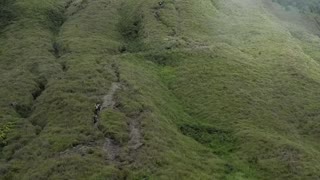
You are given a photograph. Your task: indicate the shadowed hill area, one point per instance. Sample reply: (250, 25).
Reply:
(147, 89)
(7, 12)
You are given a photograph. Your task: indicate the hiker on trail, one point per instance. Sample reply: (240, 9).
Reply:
(161, 3)
(13, 104)
(95, 119)
(97, 108)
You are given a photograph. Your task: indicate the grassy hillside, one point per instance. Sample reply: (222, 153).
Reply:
(189, 89)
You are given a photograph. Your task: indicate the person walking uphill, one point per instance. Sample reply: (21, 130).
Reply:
(96, 113)
(161, 3)
(97, 108)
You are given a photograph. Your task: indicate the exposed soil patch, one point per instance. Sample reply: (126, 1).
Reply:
(115, 152)
(136, 139)
(107, 100)
(112, 149)
(110, 146)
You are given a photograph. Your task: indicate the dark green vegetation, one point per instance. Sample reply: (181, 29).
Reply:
(7, 12)
(206, 89)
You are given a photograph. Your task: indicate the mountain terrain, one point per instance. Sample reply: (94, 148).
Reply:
(150, 89)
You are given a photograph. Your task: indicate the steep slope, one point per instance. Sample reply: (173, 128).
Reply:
(146, 89)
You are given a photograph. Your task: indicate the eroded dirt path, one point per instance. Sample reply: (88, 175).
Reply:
(135, 135)
(112, 150)
(110, 146)
(108, 101)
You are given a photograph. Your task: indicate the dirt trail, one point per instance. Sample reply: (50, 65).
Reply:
(135, 135)
(110, 147)
(108, 101)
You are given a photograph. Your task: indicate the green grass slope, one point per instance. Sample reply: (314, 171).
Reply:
(205, 89)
